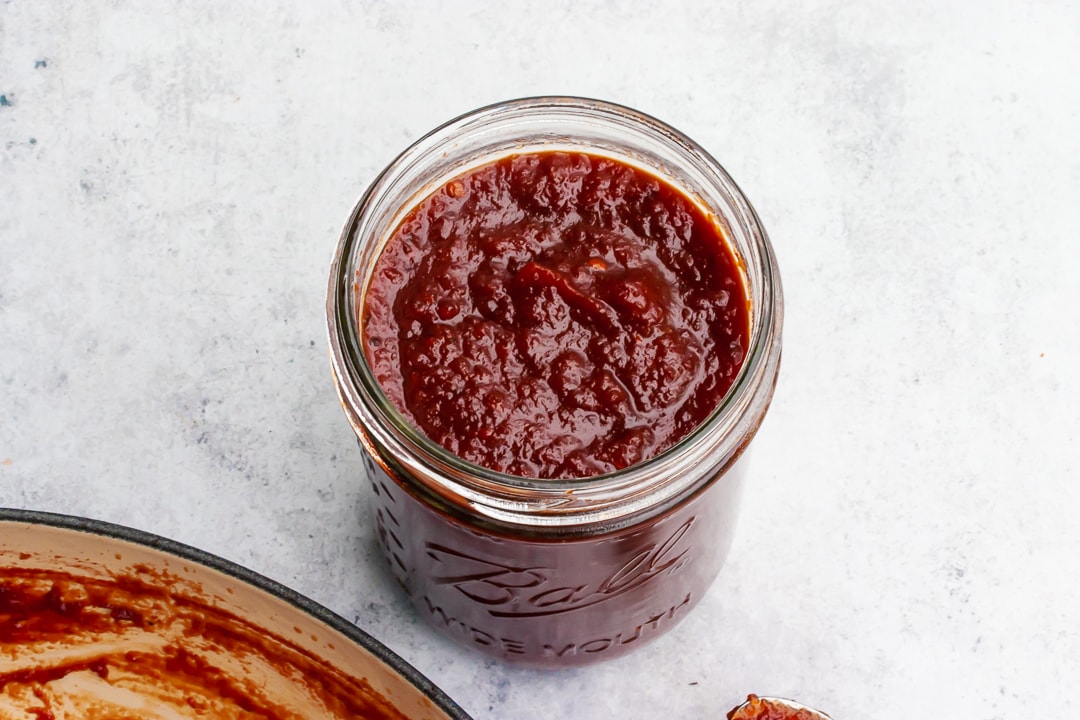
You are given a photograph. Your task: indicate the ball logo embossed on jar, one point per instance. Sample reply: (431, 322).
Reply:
(511, 591)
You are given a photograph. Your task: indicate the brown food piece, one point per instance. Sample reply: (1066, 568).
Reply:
(756, 708)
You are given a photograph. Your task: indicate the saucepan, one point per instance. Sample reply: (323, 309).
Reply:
(101, 621)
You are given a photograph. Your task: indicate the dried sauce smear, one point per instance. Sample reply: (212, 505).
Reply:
(72, 647)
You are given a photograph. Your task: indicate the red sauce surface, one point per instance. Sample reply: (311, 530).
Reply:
(756, 708)
(556, 315)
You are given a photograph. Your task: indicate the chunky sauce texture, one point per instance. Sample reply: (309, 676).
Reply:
(756, 708)
(556, 315)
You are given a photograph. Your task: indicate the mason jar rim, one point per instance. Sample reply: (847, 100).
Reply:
(504, 499)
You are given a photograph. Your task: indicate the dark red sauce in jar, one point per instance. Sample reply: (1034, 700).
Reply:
(555, 328)
(556, 315)
(552, 602)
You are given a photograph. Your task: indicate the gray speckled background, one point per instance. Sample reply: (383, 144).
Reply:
(173, 180)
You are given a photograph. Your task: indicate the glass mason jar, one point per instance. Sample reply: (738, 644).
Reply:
(553, 573)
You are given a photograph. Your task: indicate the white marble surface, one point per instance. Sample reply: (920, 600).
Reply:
(173, 180)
